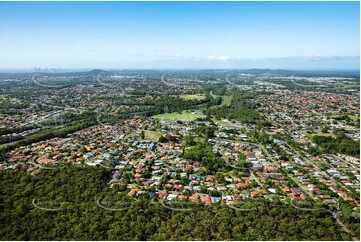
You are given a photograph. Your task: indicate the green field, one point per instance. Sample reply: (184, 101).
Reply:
(321, 134)
(6, 98)
(218, 121)
(344, 169)
(348, 86)
(199, 140)
(152, 135)
(193, 96)
(185, 116)
(352, 117)
(226, 101)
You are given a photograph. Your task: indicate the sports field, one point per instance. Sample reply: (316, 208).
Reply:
(185, 116)
(193, 96)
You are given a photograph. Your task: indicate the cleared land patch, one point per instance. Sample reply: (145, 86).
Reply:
(184, 116)
(193, 96)
(152, 135)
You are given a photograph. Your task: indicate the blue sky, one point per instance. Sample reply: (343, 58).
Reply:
(288, 35)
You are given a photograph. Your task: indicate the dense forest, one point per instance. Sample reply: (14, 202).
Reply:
(242, 108)
(74, 192)
(340, 144)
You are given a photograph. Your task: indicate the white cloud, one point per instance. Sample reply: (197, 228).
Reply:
(221, 58)
(224, 58)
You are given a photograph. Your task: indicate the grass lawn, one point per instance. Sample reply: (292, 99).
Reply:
(185, 116)
(321, 134)
(193, 96)
(199, 140)
(344, 169)
(352, 117)
(217, 121)
(348, 85)
(226, 101)
(166, 116)
(152, 135)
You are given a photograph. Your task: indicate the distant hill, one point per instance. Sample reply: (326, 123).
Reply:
(96, 71)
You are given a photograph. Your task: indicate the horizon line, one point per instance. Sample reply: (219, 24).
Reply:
(33, 69)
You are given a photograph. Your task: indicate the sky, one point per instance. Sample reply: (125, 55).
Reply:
(180, 35)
